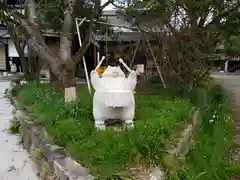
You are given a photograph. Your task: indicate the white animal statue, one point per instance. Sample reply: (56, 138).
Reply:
(113, 97)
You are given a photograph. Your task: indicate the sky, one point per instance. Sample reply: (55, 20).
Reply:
(109, 7)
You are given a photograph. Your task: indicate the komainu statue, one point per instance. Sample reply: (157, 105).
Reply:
(113, 97)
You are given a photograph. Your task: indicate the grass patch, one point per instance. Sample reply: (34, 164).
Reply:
(209, 158)
(159, 118)
(107, 154)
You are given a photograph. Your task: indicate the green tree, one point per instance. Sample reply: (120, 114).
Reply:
(188, 31)
(232, 46)
(58, 15)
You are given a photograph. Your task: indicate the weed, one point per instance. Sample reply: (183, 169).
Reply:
(14, 126)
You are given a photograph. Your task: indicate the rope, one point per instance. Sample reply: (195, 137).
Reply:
(106, 47)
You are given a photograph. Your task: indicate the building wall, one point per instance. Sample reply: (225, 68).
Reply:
(3, 55)
(12, 51)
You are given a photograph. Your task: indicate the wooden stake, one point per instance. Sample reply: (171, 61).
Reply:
(155, 61)
(135, 52)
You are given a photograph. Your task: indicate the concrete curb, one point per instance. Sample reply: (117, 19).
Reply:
(45, 153)
(183, 144)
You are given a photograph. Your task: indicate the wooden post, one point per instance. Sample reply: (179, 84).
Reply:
(95, 56)
(226, 66)
(155, 61)
(135, 52)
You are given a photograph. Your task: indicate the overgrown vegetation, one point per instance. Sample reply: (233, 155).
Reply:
(209, 158)
(111, 154)
(108, 153)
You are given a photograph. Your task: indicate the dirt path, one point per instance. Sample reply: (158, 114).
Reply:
(15, 161)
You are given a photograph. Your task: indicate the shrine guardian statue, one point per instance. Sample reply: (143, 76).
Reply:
(113, 97)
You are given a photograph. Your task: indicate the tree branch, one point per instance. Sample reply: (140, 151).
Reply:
(221, 15)
(103, 7)
(86, 43)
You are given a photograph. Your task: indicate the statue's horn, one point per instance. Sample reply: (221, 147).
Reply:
(100, 63)
(124, 64)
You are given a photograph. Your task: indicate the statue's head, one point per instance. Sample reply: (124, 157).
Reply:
(114, 72)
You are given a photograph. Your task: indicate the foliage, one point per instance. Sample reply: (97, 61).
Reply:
(233, 45)
(108, 153)
(186, 32)
(55, 8)
(30, 27)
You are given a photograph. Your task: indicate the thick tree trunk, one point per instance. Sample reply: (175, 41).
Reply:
(56, 83)
(69, 81)
(67, 86)
(33, 64)
(70, 87)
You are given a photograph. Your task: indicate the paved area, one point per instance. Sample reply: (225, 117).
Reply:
(15, 161)
(232, 83)
(12, 77)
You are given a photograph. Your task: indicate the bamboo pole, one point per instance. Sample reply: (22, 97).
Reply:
(155, 61)
(84, 61)
(109, 24)
(135, 52)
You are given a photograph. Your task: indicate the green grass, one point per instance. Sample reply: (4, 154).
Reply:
(107, 154)
(214, 140)
(158, 120)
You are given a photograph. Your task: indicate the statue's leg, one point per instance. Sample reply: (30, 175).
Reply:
(128, 115)
(100, 124)
(99, 114)
(129, 124)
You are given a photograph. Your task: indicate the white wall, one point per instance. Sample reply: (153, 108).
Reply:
(12, 52)
(109, 7)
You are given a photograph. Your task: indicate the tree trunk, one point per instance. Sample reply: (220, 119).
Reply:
(66, 38)
(56, 83)
(20, 45)
(69, 81)
(68, 85)
(33, 64)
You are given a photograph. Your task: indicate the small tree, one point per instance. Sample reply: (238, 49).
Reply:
(35, 19)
